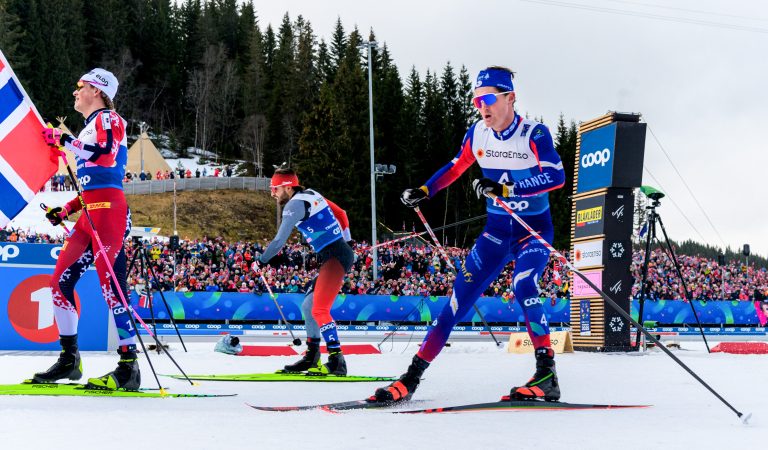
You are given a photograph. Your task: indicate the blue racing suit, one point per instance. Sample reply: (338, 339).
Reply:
(523, 158)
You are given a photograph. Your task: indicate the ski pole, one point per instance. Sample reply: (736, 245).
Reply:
(450, 264)
(744, 418)
(257, 269)
(115, 279)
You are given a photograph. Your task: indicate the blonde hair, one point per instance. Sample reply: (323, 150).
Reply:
(107, 101)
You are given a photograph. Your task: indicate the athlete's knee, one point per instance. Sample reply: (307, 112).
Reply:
(307, 306)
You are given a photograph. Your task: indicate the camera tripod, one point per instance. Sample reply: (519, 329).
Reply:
(653, 218)
(141, 261)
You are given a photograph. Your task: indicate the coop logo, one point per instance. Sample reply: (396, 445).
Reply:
(617, 250)
(598, 158)
(30, 310)
(7, 252)
(617, 324)
(84, 180)
(517, 206)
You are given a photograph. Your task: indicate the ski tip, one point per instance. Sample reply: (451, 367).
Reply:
(745, 418)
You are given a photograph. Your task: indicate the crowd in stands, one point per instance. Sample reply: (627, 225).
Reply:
(704, 278)
(213, 264)
(61, 182)
(179, 172)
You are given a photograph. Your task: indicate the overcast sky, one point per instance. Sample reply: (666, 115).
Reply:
(696, 70)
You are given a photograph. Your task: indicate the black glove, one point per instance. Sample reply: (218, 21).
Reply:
(56, 215)
(412, 197)
(487, 186)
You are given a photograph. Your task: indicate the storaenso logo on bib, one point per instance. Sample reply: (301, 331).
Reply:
(502, 154)
(599, 157)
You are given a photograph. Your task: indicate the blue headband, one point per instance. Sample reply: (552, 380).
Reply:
(500, 79)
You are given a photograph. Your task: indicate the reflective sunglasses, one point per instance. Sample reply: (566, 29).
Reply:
(79, 85)
(488, 99)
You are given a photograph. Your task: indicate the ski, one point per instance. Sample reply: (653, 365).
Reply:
(530, 405)
(286, 376)
(80, 390)
(369, 403)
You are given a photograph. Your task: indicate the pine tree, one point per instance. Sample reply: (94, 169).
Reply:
(11, 33)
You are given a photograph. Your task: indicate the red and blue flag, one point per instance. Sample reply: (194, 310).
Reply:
(26, 162)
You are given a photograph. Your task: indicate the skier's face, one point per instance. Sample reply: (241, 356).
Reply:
(500, 114)
(282, 194)
(85, 97)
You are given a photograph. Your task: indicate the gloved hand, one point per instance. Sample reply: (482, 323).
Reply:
(412, 197)
(484, 186)
(56, 215)
(52, 136)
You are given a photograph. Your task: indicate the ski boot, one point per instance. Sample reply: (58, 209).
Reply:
(125, 377)
(402, 389)
(68, 365)
(543, 384)
(336, 364)
(310, 360)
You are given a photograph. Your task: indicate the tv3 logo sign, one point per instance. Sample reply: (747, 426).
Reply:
(30, 310)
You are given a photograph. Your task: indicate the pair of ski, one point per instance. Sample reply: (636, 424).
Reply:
(501, 405)
(28, 387)
(370, 403)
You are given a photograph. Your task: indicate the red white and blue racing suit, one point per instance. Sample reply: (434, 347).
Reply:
(102, 155)
(524, 158)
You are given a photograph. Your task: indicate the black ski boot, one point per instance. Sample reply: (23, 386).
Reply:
(544, 383)
(125, 377)
(68, 365)
(310, 360)
(336, 364)
(405, 386)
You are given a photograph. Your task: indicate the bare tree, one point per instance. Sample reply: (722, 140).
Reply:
(200, 92)
(252, 141)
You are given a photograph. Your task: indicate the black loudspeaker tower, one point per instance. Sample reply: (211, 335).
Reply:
(174, 242)
(745, 250)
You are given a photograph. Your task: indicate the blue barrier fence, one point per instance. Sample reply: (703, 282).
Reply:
(225, 306)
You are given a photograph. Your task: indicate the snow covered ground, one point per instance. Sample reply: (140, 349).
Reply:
(684, 414)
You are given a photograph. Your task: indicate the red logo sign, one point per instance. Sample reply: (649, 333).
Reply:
(30, 310)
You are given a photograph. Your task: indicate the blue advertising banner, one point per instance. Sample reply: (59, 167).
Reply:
(597, 151)
(720, 312)
(206, 306)
(26, 305)
(213, 306)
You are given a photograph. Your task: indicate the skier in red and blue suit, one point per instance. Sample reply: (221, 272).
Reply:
(520, 165)
(102, 153)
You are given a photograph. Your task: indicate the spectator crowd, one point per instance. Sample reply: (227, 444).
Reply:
(405, 268)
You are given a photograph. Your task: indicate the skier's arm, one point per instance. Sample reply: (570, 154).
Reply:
(109, 135)
(294, 211)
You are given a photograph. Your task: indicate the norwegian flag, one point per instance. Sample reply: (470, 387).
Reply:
(144, 301)
(26, 162)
